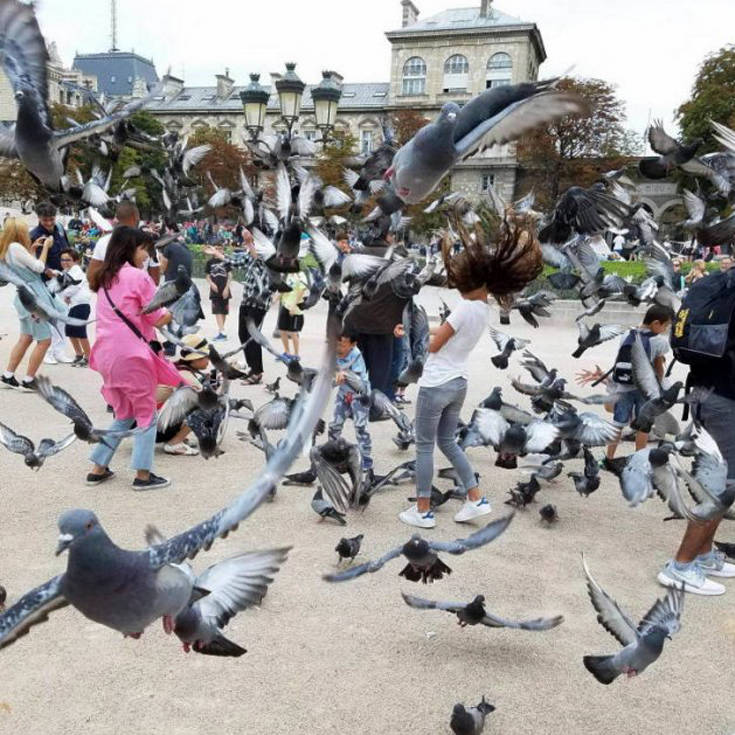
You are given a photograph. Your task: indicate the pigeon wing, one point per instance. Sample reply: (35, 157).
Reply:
(610, 331)
(182, 401)
(665, 613)
(62, 401)
(491, 425)
(283, 192)
(15, 442)
(636, 478)
(263, 245)
(609, 614)
(421, 604)
(518, 119)
(475, 540)
(238, 583)
(594, 431)
(48, 447)
(33, 608)
(501, 339)
(334, 485)
(644, 376)
(367, 567)
(305, 415)
(537, 624)
(660, 140)
(539, 434)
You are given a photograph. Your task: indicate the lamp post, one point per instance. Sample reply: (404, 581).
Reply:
(326, 96)
(255, 103)
(290, 92)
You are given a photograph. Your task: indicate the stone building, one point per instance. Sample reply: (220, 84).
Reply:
(119, 73)
(451, 56)
(65, 86)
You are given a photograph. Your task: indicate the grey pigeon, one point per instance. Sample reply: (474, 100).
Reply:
(595, 335)
(507, 346)
(588, 481)
(128, 590)
(474, 613)
(330, 461)
(548, 513)
(40, 148)
(65, 404)
(169, 291)
(33, 457)
(324, 509)
(496, 116)
(470, 720)
(642, 644)
(227, 588)
(423, 561)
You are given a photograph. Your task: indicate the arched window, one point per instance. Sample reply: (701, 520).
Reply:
(499, 70)
(456, 73)
(414, 76)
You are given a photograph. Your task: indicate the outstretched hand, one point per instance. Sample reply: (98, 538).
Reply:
(585, 377)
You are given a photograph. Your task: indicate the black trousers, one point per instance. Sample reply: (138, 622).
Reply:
(253, 351)
(377, 349)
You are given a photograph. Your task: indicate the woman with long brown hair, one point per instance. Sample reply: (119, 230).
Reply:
(479, 271)
(123, 356)
(18, 253)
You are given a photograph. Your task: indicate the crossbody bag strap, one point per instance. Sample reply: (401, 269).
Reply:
(127, 321)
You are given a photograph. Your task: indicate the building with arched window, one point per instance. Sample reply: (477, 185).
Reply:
(413, 80)
(456, 74)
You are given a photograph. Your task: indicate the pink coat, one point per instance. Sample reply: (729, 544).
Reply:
(129, 368)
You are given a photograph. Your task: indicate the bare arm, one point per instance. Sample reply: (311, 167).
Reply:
(440, 337)
(93, 268)
(165, 319)
(659, 363)
(154, 271)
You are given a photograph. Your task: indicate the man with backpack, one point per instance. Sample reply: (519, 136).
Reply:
(703, 337)
(656, 323)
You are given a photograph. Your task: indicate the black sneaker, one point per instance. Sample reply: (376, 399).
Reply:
(93, 479)
(29, 384)
(154, 482)
(10, 382)
(78, 360)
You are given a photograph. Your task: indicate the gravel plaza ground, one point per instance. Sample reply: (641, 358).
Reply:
(353, 658)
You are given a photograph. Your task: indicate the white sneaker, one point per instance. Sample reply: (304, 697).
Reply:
(181, 449)
(50, 360)
(412, 517)
(693, 579)
(473, 509)
(714, 565)
(65, 359)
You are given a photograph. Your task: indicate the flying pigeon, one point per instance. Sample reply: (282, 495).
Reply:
(32, 456)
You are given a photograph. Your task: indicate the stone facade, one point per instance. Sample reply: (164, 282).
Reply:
(472, 37)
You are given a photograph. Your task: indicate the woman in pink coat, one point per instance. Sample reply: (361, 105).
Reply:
(122, 355)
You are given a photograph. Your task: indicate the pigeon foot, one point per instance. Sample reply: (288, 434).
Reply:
(168, 624)
(134, 636)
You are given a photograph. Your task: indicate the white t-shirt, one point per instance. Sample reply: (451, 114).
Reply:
(79, 294)
(100, 250)
(469, 320)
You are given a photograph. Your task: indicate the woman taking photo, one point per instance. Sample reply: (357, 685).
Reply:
(123, 356)
(17, 252)
(478, 271)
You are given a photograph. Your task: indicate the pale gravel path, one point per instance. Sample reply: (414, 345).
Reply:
(352, 658)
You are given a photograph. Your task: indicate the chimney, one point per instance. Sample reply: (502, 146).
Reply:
(486, 9)
(171, 86)
(410, 13)
(224, 85)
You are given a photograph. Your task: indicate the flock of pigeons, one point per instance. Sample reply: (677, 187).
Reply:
(128, 590)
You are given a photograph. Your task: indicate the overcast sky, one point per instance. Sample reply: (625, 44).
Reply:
(650, 49)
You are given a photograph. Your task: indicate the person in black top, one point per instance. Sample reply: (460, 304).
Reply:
(172, 256)
(219, 275)
(49, 227)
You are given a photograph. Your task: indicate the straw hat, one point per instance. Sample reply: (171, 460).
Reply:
(193, 345)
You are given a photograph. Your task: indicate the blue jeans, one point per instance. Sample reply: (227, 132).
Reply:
(437, 414)
(144, 444)
(360, 414)
(399, 362)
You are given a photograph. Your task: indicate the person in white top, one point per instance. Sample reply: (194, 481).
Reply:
(78, 298)
(126, 214)
(477, 272)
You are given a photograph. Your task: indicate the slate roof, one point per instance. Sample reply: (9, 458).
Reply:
(364, 96)
(461, 19)
(124, 67)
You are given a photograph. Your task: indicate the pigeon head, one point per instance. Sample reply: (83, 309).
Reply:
(658, 457)
(448, 114)
(416, 548)
(479, 600)
(75, 525)
(656, 637)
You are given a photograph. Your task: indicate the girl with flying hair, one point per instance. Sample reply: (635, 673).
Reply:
(485, 267)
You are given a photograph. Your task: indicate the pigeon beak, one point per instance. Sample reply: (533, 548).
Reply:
(65, 540)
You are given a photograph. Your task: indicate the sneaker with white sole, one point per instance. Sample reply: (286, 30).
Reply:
(714, 565)
(50, 360)
(413, 517)
(473, 509)
(180, 449)
(693, 579)
(154, 482)
(63, 359)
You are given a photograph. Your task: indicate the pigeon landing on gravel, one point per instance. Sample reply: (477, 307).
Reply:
(324, 509)
(470, 720)
(424, 563)
(642, 644)
(33, 456)
(226, 588)
(349, 548)
(474, 613)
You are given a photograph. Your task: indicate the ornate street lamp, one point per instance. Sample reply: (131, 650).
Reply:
(290, 92)
(255, 103)
(326, 96)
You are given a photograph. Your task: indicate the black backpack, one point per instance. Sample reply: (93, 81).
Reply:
(701, 329)
(622, 372)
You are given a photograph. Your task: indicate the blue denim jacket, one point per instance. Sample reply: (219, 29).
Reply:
(354, 361)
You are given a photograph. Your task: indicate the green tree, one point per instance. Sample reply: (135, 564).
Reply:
(578, 148)
(712, 98)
